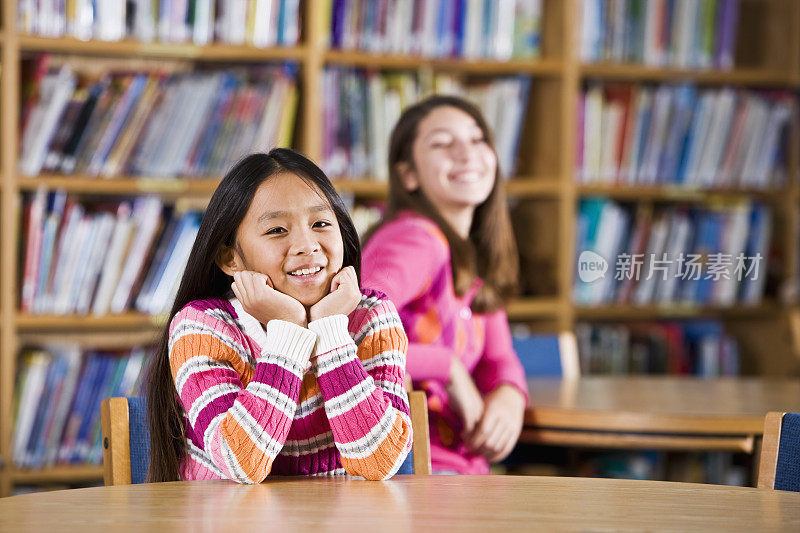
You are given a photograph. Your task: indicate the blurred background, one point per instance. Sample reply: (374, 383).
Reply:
(650, 151)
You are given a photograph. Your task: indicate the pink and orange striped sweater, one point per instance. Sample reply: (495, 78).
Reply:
(287, 400)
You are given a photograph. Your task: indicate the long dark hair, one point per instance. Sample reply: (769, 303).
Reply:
(490, 252)
(203, 279)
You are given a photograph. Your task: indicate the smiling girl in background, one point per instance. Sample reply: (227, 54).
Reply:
(445, 255)
(274, 360)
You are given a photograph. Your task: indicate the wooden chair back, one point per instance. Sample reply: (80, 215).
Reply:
(115, 423)
(421, 447)
(770, 447)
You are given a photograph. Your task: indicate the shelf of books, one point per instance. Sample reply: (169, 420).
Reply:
(651, 157)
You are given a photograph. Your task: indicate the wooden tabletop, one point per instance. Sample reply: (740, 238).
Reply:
(683, 405)
(406, 503)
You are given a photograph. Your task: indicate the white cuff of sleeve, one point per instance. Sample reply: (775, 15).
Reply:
(331, 333)
(290, 340)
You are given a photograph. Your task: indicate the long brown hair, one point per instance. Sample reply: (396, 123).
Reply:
(490, 252)
(204, 279)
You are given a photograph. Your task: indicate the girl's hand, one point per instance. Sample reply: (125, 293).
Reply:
(343, 298)
(261, 300)
(501, 424)
(464, 396)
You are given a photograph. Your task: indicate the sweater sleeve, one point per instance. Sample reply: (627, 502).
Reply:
(403, 259)
(241, 425)
(499, 363)
(429, 361)
(363, 388)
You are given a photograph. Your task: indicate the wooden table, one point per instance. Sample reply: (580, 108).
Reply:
(406, 503)
(667, 413)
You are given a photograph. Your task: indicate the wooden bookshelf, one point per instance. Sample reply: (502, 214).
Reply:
(533, 308)
(517, 187)
(679, 194)
(112, 338)
(483, 67)
(127, 320)
(638, 73)
(211, 52)
(656, 312)
(9, 101)
(78, 474)
(362, 188)
(533, 188)
(546, 179)
(121, 186)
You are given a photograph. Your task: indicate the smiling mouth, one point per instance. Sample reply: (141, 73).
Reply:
(466, 176)
(305, 272)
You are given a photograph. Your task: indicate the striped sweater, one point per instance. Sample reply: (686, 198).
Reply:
(287, 400)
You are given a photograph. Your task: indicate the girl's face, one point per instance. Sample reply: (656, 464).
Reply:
(290, 233)
(454, 165)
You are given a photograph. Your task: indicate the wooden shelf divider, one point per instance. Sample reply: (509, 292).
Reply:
(640, 73)
(120, 186)
(57, 474)
(675, 194)
(363, 188)
(657, 312)
(127, 320)
(131, 48)
(544, 67)
(533, 308)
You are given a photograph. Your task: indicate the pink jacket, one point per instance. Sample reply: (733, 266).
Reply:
(409, 260)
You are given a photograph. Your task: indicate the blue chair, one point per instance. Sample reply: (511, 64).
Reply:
(779, 468)
(418, 460)
(553, 355)
(126, 439)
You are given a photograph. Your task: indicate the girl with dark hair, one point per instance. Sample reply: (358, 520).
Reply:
(274, 360)
(445, 255)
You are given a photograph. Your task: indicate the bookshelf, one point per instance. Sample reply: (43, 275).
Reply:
(545, 183)
(57, 475)
(518, 187)
(127, 320)
(545, 68)
(668, 194)
(661, 312)
(747, 77)
(120, 186)
(128, 48)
